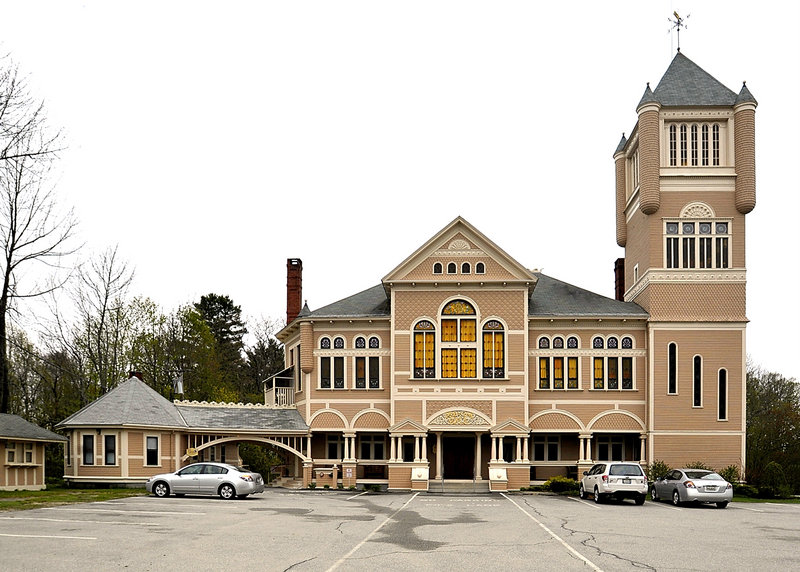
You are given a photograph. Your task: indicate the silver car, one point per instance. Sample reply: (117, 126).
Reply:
(614, 479)
(692, 485)
(220, 479)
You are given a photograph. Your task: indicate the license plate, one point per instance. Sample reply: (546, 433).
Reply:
(711, 488)
(626, 481)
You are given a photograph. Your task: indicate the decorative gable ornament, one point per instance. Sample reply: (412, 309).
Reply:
(459, 244)
(459, 417)
(697, 210)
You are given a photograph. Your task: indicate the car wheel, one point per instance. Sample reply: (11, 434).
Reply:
(597, 497)
(161, 489)
(676, 498)
(722, 504)
(227, 491)
(583, 492)
(639, 499)
(653, 493)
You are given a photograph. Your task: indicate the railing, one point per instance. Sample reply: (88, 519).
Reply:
(279, 397)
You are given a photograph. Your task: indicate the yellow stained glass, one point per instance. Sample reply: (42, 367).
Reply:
(468, 362)
(498, 349)
(598, 373)
(423, 349)
(467, 330)
(558, 373)
(544, 373)
(449, 363)
(572, 372)
(488, 349)
(449, 333)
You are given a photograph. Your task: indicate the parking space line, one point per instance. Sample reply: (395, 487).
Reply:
(358, 495)
(86, 521)
(587, 503)
(370, 535)
(745, 508)
(49, 536)
(577, 554)
(662, 505)
(124, 511)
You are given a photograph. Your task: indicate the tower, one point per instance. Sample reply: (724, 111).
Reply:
(685, 180)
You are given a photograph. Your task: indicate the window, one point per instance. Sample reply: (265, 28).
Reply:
(437, 268)
(338, 343)
(424, 347)
(672, 371)
(451, 268)
(68, 451)
(558, 371)
(722, 395)
(627, 373)
(152, 451)
(325, 372)
(325, 344)
(610, 449)
(367, 371)
(480, 268)
(334, 446)
(613, 373)
(459, 341)
(110, 449)
(694, 144)
(493, 350)
(338, 372)
(88, 449)
(465, 268)
(29, 452)
(610, 370)
(599, 373)
(11, 452)
(697, 244)
(544, 373)
(373, 447)
(697, 382)
(361, 343)
(212, 456)
(546, 448)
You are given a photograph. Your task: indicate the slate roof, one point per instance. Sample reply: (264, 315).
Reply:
(554, 298)
(370, 302)
(132, 402)
(15, 427)
(685, 84)
(241, 418)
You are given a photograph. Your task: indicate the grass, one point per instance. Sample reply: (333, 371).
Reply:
(22, 500)
(794, 500)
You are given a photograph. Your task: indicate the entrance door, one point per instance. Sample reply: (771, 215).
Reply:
(458, 457)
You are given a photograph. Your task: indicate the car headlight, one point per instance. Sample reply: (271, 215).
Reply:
(247, 478)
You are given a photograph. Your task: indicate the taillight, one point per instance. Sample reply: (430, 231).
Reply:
(247, 478)
(605, 478)
(730, 486)
(689, 485)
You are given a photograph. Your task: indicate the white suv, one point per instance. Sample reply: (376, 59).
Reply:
(617, 479)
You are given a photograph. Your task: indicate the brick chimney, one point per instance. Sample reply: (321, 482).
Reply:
(619, 279)
(294, 288)
(136, 374)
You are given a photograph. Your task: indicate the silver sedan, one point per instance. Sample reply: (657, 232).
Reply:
(220, 479)
(692, 485)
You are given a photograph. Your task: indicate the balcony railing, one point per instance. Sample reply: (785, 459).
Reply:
(279, 392)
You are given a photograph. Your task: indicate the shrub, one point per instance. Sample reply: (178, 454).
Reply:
(731, 474)
(744, 490)
(698, 465)
(773, 482)
(326, 487)
(559, 484)
(657, 469)
(312, 485)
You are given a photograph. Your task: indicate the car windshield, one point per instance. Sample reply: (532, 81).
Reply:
(703, 475)
(625, 470)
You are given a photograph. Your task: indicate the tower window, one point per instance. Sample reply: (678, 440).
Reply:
(672, 365)
(696, 244)
(697, 382)
(722, 395)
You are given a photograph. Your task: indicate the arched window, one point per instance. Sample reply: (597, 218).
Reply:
(673, 146)
(374, 343)
(672, 369)
(558, 343)
(459, 340)
(597, 343)
(451, 268)
(325, 344)
(697, 382)
(722, 395)
(572, 343)
(480, 268)
(612, 343)
(544, 343)
(338, 343)
(493, 350)
(715, 144)
(361, 343)
(627, 343)
(424, 348)
(437, 268)
(684, 154)
(465, 268)
(694, 145)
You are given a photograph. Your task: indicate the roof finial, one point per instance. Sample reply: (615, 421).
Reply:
(678, 23)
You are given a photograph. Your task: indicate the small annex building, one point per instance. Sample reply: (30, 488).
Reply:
(132, 433)
(22, 448)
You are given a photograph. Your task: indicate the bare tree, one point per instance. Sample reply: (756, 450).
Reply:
(32, 229)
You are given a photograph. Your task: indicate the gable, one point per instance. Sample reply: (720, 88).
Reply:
(461, 244)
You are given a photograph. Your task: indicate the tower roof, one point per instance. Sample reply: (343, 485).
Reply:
(685, 84)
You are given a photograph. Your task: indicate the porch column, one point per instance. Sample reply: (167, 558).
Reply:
(494, 449)
(642, 441)
(478, 471)
(424, 448)
(308, 446)
(500, 456)
(393, 448)
(346, 448)
(526, 446)
(439, 463)
(589, 448)
(519, 450)
(416, 449)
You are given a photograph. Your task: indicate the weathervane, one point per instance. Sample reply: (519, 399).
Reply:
(678, 23)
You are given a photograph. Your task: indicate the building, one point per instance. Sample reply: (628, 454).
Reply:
(22, 445)
(464, 365)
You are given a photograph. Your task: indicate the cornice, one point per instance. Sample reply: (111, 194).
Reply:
(686, 276)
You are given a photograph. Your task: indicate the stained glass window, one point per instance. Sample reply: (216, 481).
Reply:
(544, 343)
(544, 373)
(424, 348)
(612, 343)
(597, 343)
(558, 343)
(572, 342)
(325, 343)
(558, 373)
(627, 373)
(572, 373)
(360, 343)
(613, 373)
(374, 343)
(627, 343)
(599, 373)
(493, 350)
(338, 343)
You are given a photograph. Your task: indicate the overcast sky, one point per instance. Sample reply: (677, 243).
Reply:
(211, 141)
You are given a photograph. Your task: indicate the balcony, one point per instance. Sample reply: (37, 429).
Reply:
(279, 389)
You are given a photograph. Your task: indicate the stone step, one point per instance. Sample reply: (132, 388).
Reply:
(458, 487)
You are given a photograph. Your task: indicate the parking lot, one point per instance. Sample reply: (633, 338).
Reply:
(318, 530)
